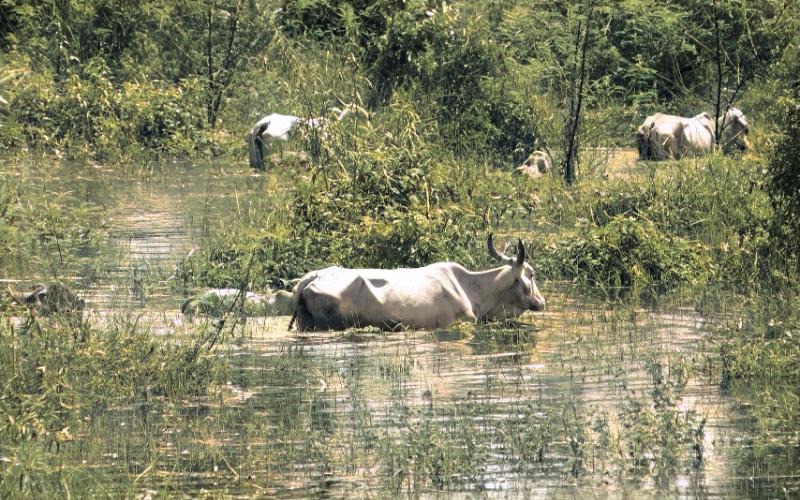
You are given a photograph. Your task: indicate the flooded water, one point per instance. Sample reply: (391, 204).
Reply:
(586, 399)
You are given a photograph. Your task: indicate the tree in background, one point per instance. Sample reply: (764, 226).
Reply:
(235, 33)
(142, 39)
(576, 73)
(740, 41)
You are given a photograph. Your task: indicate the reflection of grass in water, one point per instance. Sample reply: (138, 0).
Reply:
(494, 337)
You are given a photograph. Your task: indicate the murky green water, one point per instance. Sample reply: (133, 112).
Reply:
(586, 399)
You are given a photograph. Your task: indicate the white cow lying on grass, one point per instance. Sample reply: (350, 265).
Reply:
(538, 163)
(218, 301)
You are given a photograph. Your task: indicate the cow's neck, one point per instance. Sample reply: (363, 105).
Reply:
(481, 288)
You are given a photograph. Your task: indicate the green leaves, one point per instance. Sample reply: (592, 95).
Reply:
(631, 256)
(784, 181)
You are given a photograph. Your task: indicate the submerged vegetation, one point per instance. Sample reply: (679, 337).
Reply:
(459, 94)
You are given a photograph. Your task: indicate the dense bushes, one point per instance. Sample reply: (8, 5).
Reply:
(475, 68)
(86, 115)
(453, 58)
(462, 89)
(322, 19)
(690, 224)
(784, 181)
(630, 255)
(256, 259)
(386, 199)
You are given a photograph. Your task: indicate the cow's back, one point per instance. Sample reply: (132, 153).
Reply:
(337, 298)
(698, 135)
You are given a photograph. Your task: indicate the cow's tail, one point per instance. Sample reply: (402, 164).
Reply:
(300, 312)
(255, 147)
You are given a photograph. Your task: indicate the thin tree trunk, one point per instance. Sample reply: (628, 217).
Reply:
(230, 58)
(209, 66)
(718, 56)
(573, 123)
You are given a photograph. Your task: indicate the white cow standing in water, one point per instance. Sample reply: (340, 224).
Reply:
(434, 296)
(276, 127)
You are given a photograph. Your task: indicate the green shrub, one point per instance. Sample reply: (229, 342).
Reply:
(163, 118)
(257, 260)
(322, 19)
(717, 201)
(451, 57)
(370, 183)
(631, 256)
(784, 181)
(86, 115)
(67, 115)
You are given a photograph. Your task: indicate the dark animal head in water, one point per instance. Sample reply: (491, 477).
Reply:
(54, 298)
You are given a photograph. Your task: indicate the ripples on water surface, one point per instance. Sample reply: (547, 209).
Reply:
(586, 402)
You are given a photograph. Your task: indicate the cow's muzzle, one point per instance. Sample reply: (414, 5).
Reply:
(537, 304)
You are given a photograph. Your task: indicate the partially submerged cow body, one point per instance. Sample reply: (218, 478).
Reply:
(538, 163)
(429, 297)
(218, 301)
(663, 136)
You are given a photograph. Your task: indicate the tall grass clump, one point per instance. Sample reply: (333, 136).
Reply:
(760, 361)
(57, 377)
(45, 229)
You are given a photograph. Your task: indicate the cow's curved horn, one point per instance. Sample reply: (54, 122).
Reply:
(520, 253)
(493, 253)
